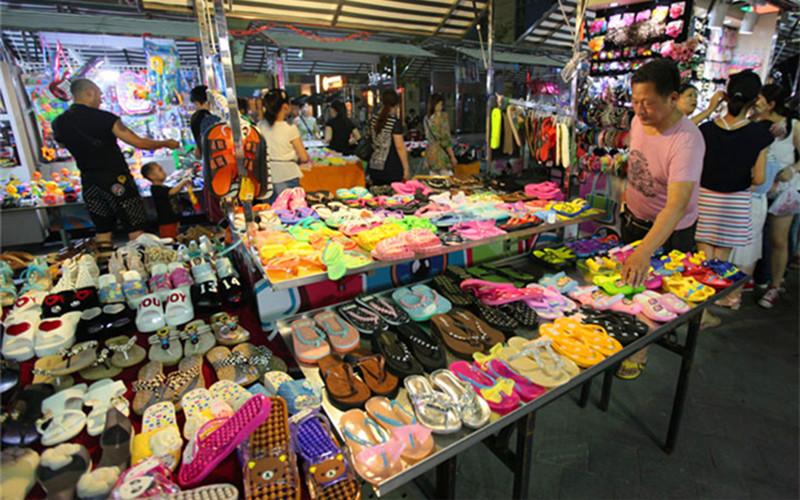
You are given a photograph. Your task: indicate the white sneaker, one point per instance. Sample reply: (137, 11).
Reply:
(769, 298)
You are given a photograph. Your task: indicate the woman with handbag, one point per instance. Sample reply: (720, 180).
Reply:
(389, 159)
(439, 157)
(771, 112)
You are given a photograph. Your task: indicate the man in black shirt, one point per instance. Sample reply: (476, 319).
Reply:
(108, 188)
(199, 98)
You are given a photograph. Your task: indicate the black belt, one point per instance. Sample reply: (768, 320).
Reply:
(635, 221)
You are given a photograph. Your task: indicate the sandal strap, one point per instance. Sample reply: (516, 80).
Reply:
(69, 352)
(381, 375)
(177, 380)
(123, 348)
(152, 384)
(349, 379)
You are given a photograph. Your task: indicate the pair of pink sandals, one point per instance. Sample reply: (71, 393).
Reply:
(495, 381)
(661, 307)
(410, 187)
(545, 191)
(496, 294)
(290, 199)
(592, 296)
(477, 229)
(552, 303)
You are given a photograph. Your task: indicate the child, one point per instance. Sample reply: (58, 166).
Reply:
(167, 218)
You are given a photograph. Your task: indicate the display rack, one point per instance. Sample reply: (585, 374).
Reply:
(495, 435)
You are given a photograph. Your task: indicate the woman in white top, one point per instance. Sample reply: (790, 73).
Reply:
(771, 111)
(307, 124)
(285, 149)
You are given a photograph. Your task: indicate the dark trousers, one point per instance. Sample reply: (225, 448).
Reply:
(634, 229)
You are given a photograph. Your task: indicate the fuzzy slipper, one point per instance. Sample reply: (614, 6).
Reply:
(61, 467)
(19, 472)
(97, 484)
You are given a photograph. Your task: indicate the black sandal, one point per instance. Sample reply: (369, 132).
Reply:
(425, 347)
(365, 320)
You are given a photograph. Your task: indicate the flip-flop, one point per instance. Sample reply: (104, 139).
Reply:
(537, 361)
(498, 393)
(63, 416)
(126, 351)
(308, 341)
(61, 467)
(435, 410)
(402, 425)
(232, 366)
(419, 306)
(75, 358)
(165, 346)
(345, 391)
(149, 387)
(342, 336)
(595, 336)
(388, 310)
(375, 373)
(472, 410)
(424, 346)
(376, 455)
(571, 346)
(523, 387)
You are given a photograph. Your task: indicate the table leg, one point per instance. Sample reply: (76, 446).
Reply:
(446, 479)
(608, 378)
(522, 469)
(681, 391)
(55, 214)
(586, 390)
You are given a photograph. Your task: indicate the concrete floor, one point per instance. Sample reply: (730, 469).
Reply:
(738, 439)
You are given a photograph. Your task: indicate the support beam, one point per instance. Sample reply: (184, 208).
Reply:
(445, 18)
(338, 12)
(537, 23)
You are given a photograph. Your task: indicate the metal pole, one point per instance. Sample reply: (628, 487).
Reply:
(201, 11)
(394, 72)
(458, 97)
(489, 83)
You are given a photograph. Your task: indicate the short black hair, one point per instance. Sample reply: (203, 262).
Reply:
(147, 169)
(686, 86)
(663, 73)
(199, 94)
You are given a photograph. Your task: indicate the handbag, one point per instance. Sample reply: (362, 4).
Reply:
(364, 148)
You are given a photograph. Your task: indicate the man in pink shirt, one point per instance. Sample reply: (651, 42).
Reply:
(664, 168)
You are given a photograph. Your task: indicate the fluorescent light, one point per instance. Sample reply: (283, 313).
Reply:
(614, 4)
(109, 75)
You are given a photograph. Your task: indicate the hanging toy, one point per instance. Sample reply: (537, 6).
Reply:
(497, 120)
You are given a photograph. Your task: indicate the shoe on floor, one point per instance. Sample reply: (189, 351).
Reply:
(709, 320)
(769, 298)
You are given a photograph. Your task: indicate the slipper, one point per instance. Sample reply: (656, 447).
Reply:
(116, 440)
(388, 311)
(537, 361)
(165, 346)
(149, 387)
(100, 482)
(498, 393)
(365, 320)
(375, 374)
(612, 284)
(376, 454)
(635, 369)
(345, 391)
(448, 289)
(572, 347)
(402, 425)
(63, 418)
(52, 335)
(220, 160)
(232, 365)
(419, 306)
(524, 388)
(687, 288)
(333, 259)
(476, 327)
(150, 314)
(308, 341)
(227, 329)
(443, 306)
(102, 396)
(595, 336)
(436, 410)
(472, 410)
(342, 336)
(19, 472)
(271, 467)
(425, 347)
(18, 336)
(42, 374)
(200, 406)
(101, 367)
(178, 309)
(454, 337)
(126, 351)
(212, 448)
(197, 338)
(187, 378)
(134, 288)
(559, 281)
(61, 467)
(231, 393)
(159, 437)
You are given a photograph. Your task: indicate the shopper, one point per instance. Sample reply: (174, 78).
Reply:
(286, 150)
(734, 164)
(389, 161)
(244, 111)
(163, 197)
(439, 157)
(306, 123)
(771, 112)
(687, 103)
(339, 129)
(109, 191)
(665, 164)
(198, 96)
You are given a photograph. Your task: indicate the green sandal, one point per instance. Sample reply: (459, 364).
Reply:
(630, 370)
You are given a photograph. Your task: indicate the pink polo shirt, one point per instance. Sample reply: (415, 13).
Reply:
(655, 161)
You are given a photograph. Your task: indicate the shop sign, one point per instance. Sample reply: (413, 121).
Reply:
(332, 82)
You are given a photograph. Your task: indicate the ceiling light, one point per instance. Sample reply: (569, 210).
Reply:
(614, 4)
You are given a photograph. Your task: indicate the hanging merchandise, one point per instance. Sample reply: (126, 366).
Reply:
(496, 125)
(163, 71)
(622, 39)
(132, 93)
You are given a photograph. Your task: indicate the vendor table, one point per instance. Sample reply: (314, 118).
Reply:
(496, 434)
(331, 178)
(53, 213)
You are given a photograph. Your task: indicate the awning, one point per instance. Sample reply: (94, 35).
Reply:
(293, 41)
(512, 57)
(448, 18)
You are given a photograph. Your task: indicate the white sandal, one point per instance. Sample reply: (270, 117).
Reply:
(102, 396)
(63, 416)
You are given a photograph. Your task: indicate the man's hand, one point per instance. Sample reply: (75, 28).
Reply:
(636, 267)
(172, 144)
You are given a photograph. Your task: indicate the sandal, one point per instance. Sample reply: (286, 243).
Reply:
(436, 410)
(473, 411)
(374, 373)
(344, 390)
(101, 368)
(227, 329)
(165, 346)
(537, 361)
(149, 387)
(424, 347)
(476, 327)
(388, 311)
(233, 365)
(457, 340)
(342, 336)
(308, 341)
(498, 393)
(402, 425)
(365, 320)
(630, 370)
(63, 414)
(397, 355)
(61, 467)
(101, 397)
(376, 453)
(159, 436)
(126, 352)
(116, 440)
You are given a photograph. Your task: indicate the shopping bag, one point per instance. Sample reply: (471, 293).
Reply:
(787, 202)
